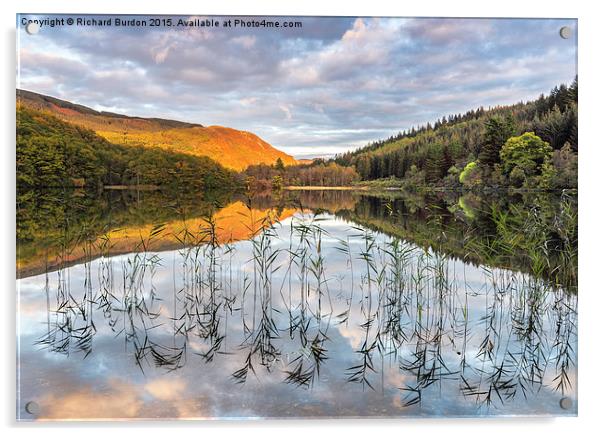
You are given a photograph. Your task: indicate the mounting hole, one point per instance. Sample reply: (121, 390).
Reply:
(566, 403)
(565, 32)
(32, 28)
(32, 408)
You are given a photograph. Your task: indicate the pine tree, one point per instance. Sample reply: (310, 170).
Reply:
(497, 132)
(279, 165)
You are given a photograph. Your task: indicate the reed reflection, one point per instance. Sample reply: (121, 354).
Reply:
(321, 301)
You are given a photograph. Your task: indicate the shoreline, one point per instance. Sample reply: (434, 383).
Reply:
(326, 188)
(131, 187)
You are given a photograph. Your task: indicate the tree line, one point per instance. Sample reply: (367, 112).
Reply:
(318, 173)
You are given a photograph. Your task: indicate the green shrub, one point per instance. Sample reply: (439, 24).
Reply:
(468, 173)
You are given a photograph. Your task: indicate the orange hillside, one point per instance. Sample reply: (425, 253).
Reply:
(232, 148)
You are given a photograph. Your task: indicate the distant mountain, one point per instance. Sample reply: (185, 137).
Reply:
(232, 148)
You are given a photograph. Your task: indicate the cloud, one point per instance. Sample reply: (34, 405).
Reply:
(166, 389)
(445, 31)
(334, 84)
(287, 111)
(245, 41)
(122, 402)
(160, 52)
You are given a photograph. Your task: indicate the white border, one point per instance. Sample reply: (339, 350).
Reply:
(590, 179)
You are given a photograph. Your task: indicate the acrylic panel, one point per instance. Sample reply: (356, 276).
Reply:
(295, 217)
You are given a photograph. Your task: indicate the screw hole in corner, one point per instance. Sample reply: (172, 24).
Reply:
(32, 408)
(565, 32)
(32, 28)
(566, 403)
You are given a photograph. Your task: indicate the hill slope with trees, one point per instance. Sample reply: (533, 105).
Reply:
(53, 153)
(233, 148)
(529, 145)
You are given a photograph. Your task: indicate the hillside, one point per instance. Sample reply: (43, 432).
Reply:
(471, 144)
(54, 153)
(234, 149)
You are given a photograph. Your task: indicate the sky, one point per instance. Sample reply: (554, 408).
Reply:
(335, 84)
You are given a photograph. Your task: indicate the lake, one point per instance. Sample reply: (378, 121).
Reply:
(297, 304)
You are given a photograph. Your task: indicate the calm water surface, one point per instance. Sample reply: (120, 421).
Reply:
(348, 307)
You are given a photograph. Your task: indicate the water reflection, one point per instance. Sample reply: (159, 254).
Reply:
(302, 313)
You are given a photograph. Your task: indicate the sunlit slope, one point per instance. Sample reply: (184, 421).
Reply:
(232, 148)
(234, 222)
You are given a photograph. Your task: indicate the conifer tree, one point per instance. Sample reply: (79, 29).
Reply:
(497, 132)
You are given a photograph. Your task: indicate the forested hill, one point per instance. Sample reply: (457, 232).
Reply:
(483, 147)
(53, 153)
(233, 148)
